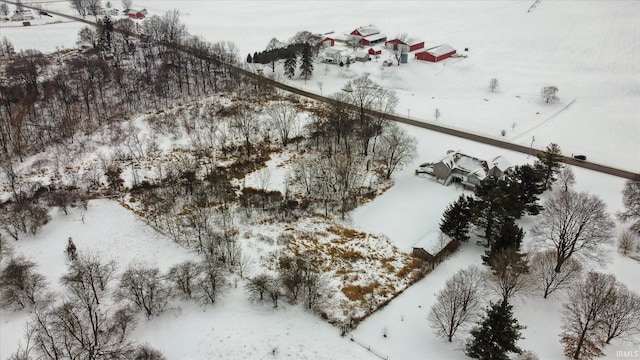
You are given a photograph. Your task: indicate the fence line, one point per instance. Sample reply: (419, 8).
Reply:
(368, 347)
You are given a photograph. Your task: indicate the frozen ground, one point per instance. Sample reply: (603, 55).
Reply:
(589, 50)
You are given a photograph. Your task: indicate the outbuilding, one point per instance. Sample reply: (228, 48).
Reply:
(361, 56)
(373, 39)
(436, 54)
(406, 45)
(327, 42)
(375, 51)
(364, 31)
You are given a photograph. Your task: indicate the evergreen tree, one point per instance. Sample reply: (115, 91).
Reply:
(496, 335)
(509, 237)
(256, 58)
(249, 60)
(306, 63)
(290, 65)
(496, 200)
(531, 185)
(549, 164)
(456, 219)
(105, 29)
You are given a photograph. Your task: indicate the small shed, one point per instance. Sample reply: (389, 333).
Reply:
(430, 245)
(375, 51)
(436, 54)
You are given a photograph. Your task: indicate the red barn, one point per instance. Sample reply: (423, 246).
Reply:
(373, 39)
(436, 54)
(404, 45)
(363, 31)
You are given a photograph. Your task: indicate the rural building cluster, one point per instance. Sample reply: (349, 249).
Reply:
(369, 42)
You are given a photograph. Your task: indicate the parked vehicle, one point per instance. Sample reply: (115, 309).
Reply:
(580, 157)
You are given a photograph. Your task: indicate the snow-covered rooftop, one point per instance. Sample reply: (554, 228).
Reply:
(367, 30)
(440, 50)
(433, 242)
(500, 163)
(375, 37)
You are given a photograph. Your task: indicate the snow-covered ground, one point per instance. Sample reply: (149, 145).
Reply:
(589, 50)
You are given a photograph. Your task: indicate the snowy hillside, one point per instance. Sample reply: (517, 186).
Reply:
(590, 50)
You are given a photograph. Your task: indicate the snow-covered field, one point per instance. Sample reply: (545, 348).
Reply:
(589, 50)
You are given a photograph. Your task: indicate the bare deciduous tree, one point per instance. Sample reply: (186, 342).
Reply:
(283, 117)
(80, 6)
(548, 94)
(245, 125)
(20, 285)
(211, 283)
(126, 4)
(620, 317)
(566, 178)
(144, 287)
(583, 316)
(400, 49)
(458, 304)
(631, 199)
(183, 277)
(396, 148)
(628, 243)
(545, 277)
(574, 224)
(493, 84)
(263, 287)
(6, 249)
(509, 275)
(69, 330)
(88, 277)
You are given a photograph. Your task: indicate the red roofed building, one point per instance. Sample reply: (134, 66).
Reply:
(436, 54)
(375, 51)
(364, 31)
(327, 42)
(404, 45)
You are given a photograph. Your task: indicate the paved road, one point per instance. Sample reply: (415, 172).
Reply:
(424, 125)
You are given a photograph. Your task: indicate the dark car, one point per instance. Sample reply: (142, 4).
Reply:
(42, 12)
(580, 157)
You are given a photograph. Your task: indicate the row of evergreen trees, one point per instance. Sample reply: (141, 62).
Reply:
(290, 56)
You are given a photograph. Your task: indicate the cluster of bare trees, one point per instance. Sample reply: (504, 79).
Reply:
(78, 325)
(48, 99)
(204, 281)
(348, 141)
(599, 310)
(297, 280)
